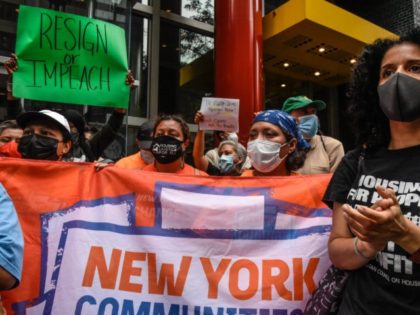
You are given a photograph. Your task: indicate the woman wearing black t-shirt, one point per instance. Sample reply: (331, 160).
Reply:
(376, 188)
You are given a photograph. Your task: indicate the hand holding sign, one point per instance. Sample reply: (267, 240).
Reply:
(198, 119)
(129, 80)
(220, 114)
(11, 64)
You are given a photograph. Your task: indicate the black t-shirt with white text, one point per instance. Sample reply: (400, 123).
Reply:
(390, 283)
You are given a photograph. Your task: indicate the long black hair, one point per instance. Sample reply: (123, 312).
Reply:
(370, 124)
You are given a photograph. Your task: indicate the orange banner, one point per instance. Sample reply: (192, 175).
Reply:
(54, 200)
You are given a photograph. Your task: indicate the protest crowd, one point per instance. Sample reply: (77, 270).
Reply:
(367, 234)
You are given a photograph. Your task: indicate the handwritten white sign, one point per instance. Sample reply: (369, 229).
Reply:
(220, 114)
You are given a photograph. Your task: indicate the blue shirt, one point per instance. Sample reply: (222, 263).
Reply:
(11, 239)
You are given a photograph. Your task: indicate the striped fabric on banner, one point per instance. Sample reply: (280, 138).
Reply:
(121, 241)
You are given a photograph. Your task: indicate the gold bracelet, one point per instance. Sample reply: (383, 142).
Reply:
(356, 249)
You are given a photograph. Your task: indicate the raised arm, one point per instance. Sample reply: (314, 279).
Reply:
(107, 134)
(200, 161)
(11, 66)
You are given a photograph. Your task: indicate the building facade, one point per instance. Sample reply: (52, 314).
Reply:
(166, 40)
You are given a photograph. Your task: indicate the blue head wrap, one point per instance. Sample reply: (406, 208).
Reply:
(286, 123)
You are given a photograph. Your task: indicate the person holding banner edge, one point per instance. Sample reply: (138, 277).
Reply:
(14, 108)
(46, 135)
(275, 145)
(376, 216)
(171, 137)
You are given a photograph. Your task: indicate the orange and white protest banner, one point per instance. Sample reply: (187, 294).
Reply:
(122, 241)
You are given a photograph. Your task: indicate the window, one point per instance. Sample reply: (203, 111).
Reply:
(185, 72)
(185, 63)
(199, 10)
(139, 65)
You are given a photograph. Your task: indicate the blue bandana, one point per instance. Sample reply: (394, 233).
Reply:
(286, 123)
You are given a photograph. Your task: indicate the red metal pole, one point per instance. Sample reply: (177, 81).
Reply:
(238, 57)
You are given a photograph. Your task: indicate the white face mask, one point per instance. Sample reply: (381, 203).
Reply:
(265, 155)
(147, 156)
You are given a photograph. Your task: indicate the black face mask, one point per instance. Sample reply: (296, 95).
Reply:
(399, 98)
(38, 147)
(166, 149)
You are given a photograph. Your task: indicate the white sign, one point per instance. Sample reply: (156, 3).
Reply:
(220, 114)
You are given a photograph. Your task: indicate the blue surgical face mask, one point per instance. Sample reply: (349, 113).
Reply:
(226, 163)
(308, 125)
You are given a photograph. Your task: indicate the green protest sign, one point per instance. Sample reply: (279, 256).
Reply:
(70, 58)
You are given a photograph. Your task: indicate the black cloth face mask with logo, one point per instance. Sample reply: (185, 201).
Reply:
(38, 147)
(399, 98)
(166, 149)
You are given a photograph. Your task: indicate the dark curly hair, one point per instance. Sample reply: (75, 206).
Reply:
(370, 124)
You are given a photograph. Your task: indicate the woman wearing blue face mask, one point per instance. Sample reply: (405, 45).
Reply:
(231, 155)
(275, 145)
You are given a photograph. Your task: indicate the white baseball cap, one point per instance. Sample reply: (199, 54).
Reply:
(59, 120)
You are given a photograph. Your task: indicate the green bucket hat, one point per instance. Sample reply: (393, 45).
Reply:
(296, 102)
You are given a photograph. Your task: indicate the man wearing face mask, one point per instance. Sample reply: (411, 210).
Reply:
(46, 135)
(326, 152)
(143, 157)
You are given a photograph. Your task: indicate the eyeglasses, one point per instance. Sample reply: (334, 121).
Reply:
(9, 139)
